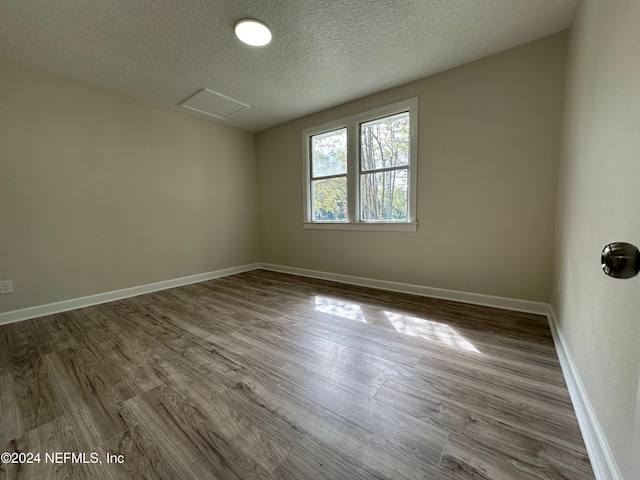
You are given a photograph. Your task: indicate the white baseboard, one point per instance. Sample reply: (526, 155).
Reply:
(66, 305)
(602, 461)
(527, 306)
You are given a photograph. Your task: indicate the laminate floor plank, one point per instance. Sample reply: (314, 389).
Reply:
(261, 300)
(315, 348)
(7, 400)
(51, 334)
(119, 355)
(235, 298)
(346, 440)
(442, 381)
(29, 398)
(539, 369)
(86, 387)
(557, 426)
(56, 436)
(465, 337)
(246, 426)
(300, 367)
(342, 325)
(545, 391)
(170, 361)
(404, 430)
(526, 459)
(196, 355)
(348, 337)
(143, 458)
(189, 435)
(188, 312)
(294, 340)
(310, 461)
(523, 447)
(264, 375)
(86, 326)
(169, 325)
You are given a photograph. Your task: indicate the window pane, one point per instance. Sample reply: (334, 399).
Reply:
(329, 153)
(384, 196)
(329, 199)
(385, 142)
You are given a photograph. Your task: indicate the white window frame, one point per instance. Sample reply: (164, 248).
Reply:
(352, 124)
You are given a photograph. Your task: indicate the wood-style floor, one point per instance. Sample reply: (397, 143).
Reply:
(271, 376)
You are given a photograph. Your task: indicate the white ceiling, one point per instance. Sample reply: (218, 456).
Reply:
(323, 53)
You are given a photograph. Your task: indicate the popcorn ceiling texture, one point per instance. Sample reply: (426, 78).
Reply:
(323, 53)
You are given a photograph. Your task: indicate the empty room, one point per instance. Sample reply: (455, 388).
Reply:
(320, 240)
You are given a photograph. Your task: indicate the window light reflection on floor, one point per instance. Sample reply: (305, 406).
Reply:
(429, 330)
(337, 307)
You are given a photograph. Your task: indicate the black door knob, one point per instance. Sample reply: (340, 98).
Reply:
(621, 260)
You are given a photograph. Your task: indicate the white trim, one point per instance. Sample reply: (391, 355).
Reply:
(527, 306)
(602, 460)
(366, 226)
(65, 305)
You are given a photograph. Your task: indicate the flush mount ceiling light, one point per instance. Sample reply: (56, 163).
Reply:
(253, 32)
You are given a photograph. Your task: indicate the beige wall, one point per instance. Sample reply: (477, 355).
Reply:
(598, 203)
(487, 163)
(101, 192)
(634, 462)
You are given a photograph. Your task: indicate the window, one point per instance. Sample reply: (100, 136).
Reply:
(360, 172)
(329, 176)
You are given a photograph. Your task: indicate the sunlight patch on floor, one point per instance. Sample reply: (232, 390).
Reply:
(429, 330)
(342, 309)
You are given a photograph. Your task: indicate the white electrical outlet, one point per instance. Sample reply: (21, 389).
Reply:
(6, 286)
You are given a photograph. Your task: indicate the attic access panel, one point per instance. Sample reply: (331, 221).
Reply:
(214, 104)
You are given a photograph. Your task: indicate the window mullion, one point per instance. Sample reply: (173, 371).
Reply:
(353, 192)
(329, 177)
(386, 169)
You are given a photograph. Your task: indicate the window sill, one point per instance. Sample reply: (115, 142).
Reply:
(365, 226)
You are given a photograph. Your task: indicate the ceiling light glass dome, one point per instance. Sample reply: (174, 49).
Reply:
(253, 32)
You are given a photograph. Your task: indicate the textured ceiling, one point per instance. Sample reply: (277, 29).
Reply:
(323, 52)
